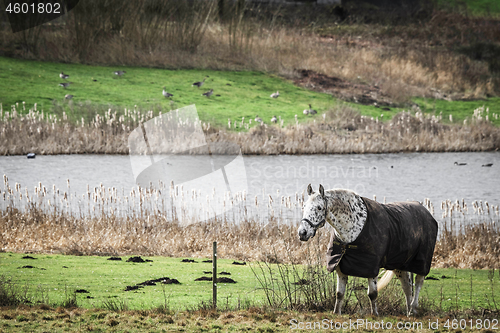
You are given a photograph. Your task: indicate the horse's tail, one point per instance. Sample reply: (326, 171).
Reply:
(384, 280)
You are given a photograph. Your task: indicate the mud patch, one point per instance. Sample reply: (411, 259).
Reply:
(225, 273)
(164, 280)
(188, 260)
(239, 263)
(116, 258)
(203, 278)
(342, 89)
(208, 260)
(138, 259)
(130, 288)
(82, 291)
(27, 266)
(219, 280)
(28, 257)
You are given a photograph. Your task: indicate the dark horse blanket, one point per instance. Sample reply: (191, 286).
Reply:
(398, 235)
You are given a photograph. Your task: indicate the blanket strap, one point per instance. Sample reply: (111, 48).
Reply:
(345, 246)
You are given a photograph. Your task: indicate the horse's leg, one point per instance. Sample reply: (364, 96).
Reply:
(372, 294)
(406, 283)
(419, 282)
(341, 285)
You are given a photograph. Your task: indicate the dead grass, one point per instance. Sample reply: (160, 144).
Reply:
(153, 222)
(340, 131)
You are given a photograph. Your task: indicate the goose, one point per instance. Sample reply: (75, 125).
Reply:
(306, 112)
(208, 93)
(200, 83)
(166, 94)
(258, 119)
(65, 84)
(274, 119)
(275, 95)
(120, 73)
(311, 111)
(487, 165)
(456, 163)
(68, 96)
(63, 76)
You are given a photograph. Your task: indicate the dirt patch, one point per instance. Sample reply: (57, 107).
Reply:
(138, 259)
(27, 266)
(239, 263)
(115, 258)
(82, 291)
(164, 280)
(28, 257)
(342, 89)
(188, 260)
(225, 273)
(130, 288)
(208, 260)
(219, 280)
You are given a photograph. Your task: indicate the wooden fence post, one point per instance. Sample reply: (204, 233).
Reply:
(214, 275)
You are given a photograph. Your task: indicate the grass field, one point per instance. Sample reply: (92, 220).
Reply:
(55, 278)
(241, 94)
(236, 94)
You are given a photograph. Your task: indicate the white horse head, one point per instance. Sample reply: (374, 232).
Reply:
(315, 212)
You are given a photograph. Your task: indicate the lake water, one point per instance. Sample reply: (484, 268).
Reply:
(391, 177)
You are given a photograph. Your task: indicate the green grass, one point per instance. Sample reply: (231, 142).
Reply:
(242, 94)
(474, 7)
(58, 276)
(106, 280)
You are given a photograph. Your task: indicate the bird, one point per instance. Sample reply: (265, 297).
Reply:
(487, 165)
(31, 155)
(306, 112)
(166, 94)
(456, 163)
(274, 119)
(65, 84)
(68, 96)
(63, 76)
(120, 73)
(311, 111)
(258, 119)
(275, 95)
(200, 83)
(208, 93)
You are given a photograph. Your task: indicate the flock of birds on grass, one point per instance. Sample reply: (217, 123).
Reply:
(198, 84)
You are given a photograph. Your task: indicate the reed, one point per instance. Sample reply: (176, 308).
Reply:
(162, 221)
(342, 130)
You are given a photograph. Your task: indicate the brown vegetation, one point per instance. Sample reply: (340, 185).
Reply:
(444, 55)
(153, 222)
(340, 131)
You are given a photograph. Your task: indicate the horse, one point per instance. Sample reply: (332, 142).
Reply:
(367, 236)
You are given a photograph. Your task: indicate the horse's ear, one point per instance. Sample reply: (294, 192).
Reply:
(309, 189)
(321, 190)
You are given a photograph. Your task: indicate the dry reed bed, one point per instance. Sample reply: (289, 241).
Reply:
(339, 131)
(414, 60)
(111, 224)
